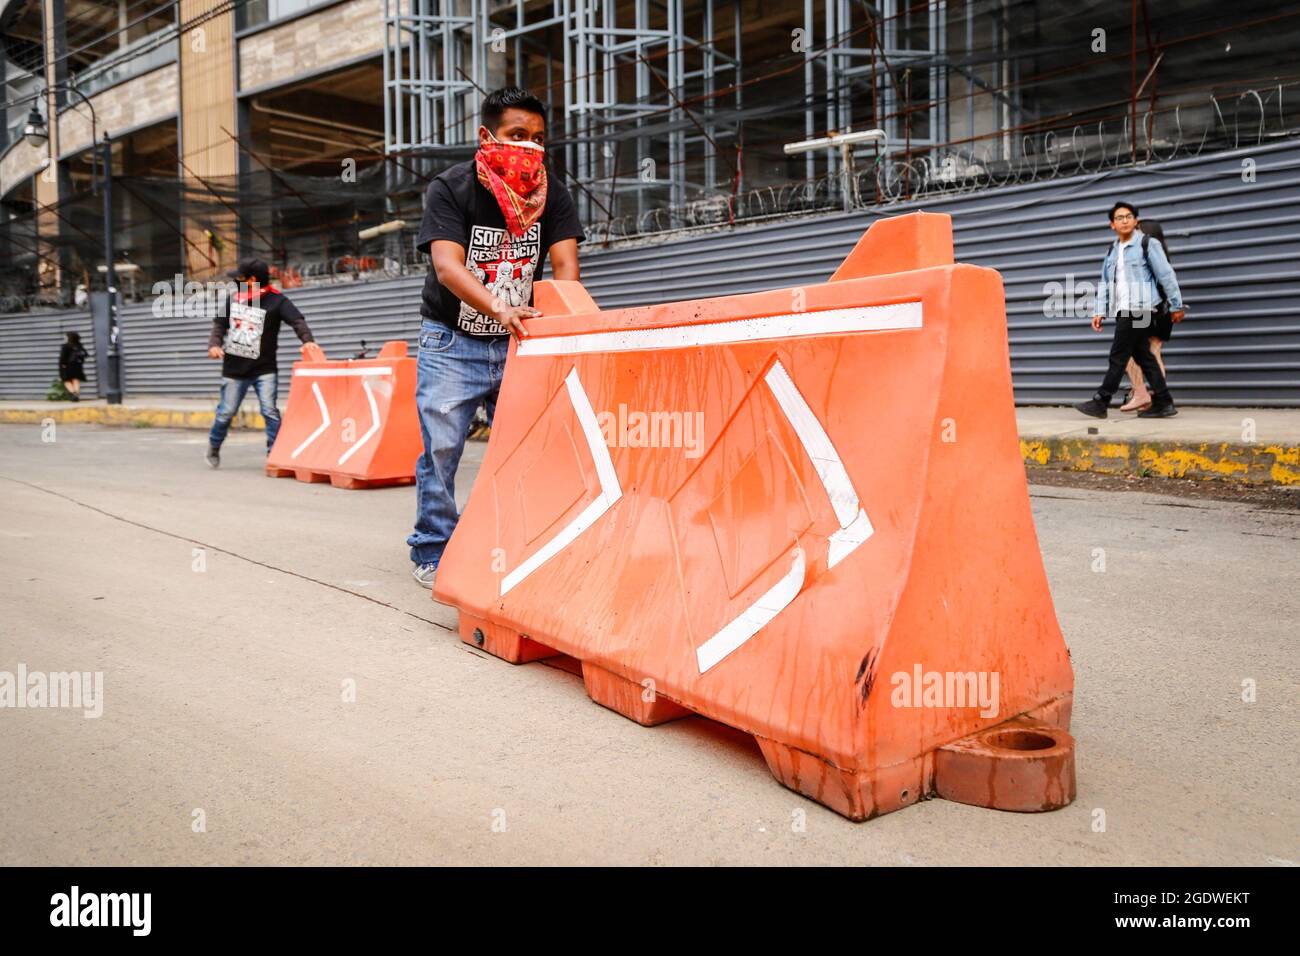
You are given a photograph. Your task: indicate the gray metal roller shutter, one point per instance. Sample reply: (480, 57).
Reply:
(29, 352)
(1235, 245)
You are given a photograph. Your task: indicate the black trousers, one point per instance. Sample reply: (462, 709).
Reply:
(1133, 333)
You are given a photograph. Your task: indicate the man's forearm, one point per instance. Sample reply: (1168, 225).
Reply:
(218, 333)
(465, 286)
(299, 324)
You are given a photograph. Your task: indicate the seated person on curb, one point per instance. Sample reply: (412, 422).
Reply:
(1132, 283)
(245, 337)
(489, 225)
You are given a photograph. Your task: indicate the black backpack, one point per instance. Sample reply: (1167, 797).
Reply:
(1146, 241)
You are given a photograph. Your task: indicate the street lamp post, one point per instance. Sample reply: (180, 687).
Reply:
(37, 135)
(113, 391)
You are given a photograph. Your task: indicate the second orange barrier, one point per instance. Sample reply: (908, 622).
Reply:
(352, 423)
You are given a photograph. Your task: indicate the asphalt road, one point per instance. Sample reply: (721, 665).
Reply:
(230, 614)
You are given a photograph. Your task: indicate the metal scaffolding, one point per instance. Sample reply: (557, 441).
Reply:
(650, 104)
(617, 71)
(432, 71)
(889, 55)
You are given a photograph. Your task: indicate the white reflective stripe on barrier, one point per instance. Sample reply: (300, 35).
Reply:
(755, 617)
(855, 526)
(341, 372)
(324, 424)
(867, 318)
(374, 423)
(610, 491)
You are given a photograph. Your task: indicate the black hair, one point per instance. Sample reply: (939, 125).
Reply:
(74, 338)
(253, 269)
(1123, 205)
(507, 98)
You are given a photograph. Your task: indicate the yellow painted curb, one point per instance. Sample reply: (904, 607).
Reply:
(125, 415)
(1258, 463)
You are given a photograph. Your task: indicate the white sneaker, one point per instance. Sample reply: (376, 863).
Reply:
(424, 574)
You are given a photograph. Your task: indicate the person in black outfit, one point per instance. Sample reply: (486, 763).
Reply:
(72, 365)
(1162, 329)
(490, 226)
(245, 337)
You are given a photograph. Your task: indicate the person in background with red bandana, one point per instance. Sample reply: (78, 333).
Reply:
(489, 226)
(245, 336)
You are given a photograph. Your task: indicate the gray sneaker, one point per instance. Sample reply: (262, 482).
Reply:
(424, 574)
(213, 456)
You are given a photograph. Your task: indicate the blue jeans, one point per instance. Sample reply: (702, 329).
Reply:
(233, 391)
(456, 373)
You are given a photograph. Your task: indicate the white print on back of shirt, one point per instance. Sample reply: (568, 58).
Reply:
(505, 270)
(245, 336)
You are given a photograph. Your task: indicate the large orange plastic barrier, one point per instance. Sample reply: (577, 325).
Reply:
(802, 513)
(352, 423)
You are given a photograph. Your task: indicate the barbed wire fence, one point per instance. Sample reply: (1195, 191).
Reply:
(1222, 122)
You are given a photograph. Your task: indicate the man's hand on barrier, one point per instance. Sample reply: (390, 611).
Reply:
(216, 352)
(1177, 316)
(1096, 323)
(511, 317)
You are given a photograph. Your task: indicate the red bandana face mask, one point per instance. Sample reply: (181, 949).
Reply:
(516, 177)
(246, 294)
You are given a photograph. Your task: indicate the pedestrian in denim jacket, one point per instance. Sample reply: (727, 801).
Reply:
(1130, 295)
(1138, 398)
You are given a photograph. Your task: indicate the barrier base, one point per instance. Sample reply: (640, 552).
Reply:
(858, 795)
(502, 642)
(634, 701)
(338, 481)
(1022, 765)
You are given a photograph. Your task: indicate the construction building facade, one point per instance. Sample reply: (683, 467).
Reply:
(284, 128)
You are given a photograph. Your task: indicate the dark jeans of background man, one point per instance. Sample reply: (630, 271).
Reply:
(233, 391)
(1133, 333)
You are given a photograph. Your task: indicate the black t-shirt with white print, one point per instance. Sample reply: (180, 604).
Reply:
(458, 208)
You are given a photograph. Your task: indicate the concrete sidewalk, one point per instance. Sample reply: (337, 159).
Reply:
(1251, 445)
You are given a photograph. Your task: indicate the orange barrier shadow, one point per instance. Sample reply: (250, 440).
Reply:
(802, 513)
(352, 423)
